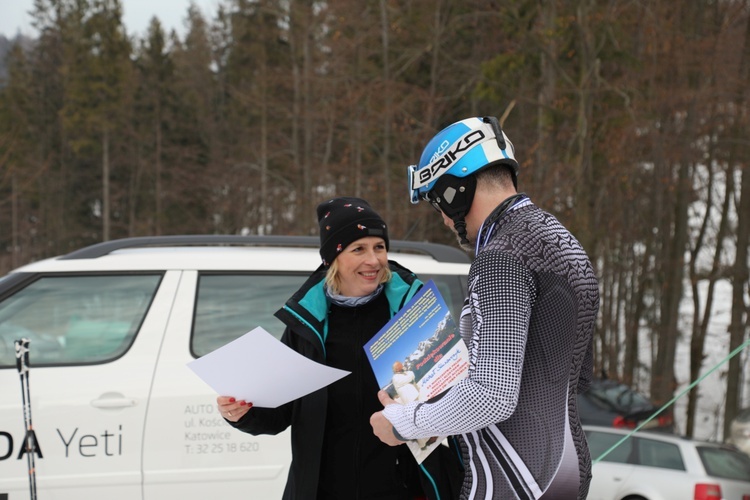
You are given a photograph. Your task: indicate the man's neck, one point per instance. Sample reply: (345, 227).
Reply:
(484, 203)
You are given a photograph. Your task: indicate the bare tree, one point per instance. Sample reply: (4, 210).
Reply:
(740, 273)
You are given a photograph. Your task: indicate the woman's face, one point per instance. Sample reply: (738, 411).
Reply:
(361, 266)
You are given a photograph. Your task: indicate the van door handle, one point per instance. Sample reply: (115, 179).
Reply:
(111, 400)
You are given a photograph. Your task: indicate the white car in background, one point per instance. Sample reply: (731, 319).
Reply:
(116, 412)
(661, 466)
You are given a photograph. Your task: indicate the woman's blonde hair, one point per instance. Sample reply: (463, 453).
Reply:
(333, 278)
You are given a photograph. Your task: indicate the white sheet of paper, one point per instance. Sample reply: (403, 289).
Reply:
(259, 369)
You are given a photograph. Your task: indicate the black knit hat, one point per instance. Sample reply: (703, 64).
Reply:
(344, 220)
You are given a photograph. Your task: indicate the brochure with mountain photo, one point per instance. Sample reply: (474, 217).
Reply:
(418, 355)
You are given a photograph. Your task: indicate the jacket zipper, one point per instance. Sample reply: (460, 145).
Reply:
(358, 446)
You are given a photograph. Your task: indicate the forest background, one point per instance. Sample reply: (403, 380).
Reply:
(630, 119)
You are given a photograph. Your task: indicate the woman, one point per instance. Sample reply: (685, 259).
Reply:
(340, 307)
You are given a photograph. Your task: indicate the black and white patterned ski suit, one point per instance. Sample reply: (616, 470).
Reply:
(528, 323)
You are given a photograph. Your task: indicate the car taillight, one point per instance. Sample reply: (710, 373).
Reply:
(707, 492)
(665, 420)
(621, 422)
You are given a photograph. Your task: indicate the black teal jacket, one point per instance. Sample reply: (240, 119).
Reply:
(306, 316)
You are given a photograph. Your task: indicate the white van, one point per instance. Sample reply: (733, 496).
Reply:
(116, 412)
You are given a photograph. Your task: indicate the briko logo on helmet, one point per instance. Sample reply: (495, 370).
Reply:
(443, 146)
(446, 160)
(460, 150)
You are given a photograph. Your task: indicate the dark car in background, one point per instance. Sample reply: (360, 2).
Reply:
(610, 403)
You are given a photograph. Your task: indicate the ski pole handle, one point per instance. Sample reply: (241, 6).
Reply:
(22, 355)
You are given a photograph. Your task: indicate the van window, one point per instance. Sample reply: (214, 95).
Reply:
(655, 453)
(229, 305)
(725, 463)
(75, 319)
(601, 442)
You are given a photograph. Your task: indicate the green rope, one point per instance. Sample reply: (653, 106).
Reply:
(671, 402)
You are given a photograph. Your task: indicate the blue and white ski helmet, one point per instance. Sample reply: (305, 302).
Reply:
(460, 150)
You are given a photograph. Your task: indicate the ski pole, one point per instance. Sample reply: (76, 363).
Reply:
(22, 362)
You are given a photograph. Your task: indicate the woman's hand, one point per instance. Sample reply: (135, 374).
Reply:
(231, 409)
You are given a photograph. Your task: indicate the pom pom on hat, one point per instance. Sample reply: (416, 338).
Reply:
(345, 220)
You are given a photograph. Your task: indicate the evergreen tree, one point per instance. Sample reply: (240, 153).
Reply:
(154, 101)
(98, 89)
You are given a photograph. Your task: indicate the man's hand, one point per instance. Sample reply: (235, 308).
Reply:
(385, 399)
(381, 427)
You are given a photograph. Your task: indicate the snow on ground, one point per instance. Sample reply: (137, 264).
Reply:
(712, 389)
